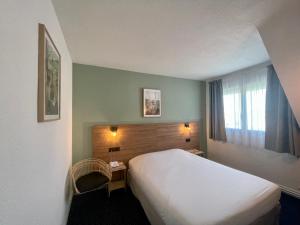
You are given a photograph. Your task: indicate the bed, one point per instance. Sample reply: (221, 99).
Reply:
(176, 187)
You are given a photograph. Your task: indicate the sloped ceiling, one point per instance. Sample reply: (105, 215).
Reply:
(194, 39)
(281, 35)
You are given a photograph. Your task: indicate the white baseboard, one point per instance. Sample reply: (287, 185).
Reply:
(291, 191)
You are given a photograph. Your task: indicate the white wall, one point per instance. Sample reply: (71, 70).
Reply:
(34, 157)
(282, 169)
(281, 36)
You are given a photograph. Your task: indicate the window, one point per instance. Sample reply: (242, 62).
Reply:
(244, 97)
(232, 110)
(256, 104)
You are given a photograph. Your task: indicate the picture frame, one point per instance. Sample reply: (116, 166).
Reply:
(49, 77)
(151, 102)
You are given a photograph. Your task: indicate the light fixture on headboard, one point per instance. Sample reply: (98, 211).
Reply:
(187, 126)
(188, 132)
(114, 130)
(112, 150)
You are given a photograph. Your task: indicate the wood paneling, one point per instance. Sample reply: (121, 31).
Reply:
(136, 139)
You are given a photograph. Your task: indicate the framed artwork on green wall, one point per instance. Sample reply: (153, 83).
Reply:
(152, 102)
(49, 69)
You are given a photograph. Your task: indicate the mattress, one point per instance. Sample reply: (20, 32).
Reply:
(176, 187)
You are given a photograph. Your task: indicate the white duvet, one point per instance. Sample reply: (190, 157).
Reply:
(185, 189)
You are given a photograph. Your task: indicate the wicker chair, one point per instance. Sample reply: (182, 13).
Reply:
(90, 174)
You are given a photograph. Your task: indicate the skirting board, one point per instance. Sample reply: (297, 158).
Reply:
(290, 191)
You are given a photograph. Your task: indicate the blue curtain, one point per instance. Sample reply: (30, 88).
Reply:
(282, 130)
(217, 121)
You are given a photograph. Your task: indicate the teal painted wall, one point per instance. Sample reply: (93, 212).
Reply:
(110, 96)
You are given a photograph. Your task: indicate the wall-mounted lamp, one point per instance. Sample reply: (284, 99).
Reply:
(188, 130)
(114, 130)
(113, 150)
(187, 125)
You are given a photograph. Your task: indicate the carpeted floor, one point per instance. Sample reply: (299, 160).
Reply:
(122, 208)
(95, 208)
(290, 210)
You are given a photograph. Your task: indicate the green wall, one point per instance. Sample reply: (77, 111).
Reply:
(110, 96)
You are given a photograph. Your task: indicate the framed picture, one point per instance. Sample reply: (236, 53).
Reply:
(49, 63)
(152, 103)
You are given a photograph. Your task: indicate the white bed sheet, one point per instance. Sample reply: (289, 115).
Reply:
(178, 188)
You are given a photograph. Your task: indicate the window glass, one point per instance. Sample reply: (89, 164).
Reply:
(232, 110)
(244, 99)
(256, 103)
(244, 96)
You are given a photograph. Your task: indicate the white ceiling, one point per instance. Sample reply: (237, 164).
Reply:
(194, 39)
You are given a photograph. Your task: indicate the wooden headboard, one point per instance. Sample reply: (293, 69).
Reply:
(136, 139)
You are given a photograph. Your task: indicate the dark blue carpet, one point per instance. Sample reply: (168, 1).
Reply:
(290, 210)
(95, 208)
(122, 208)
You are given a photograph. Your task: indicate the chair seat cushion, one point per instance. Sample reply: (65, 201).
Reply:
(91, 182)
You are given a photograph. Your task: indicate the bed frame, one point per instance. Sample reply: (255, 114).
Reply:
(136, 139)
(270, 218)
